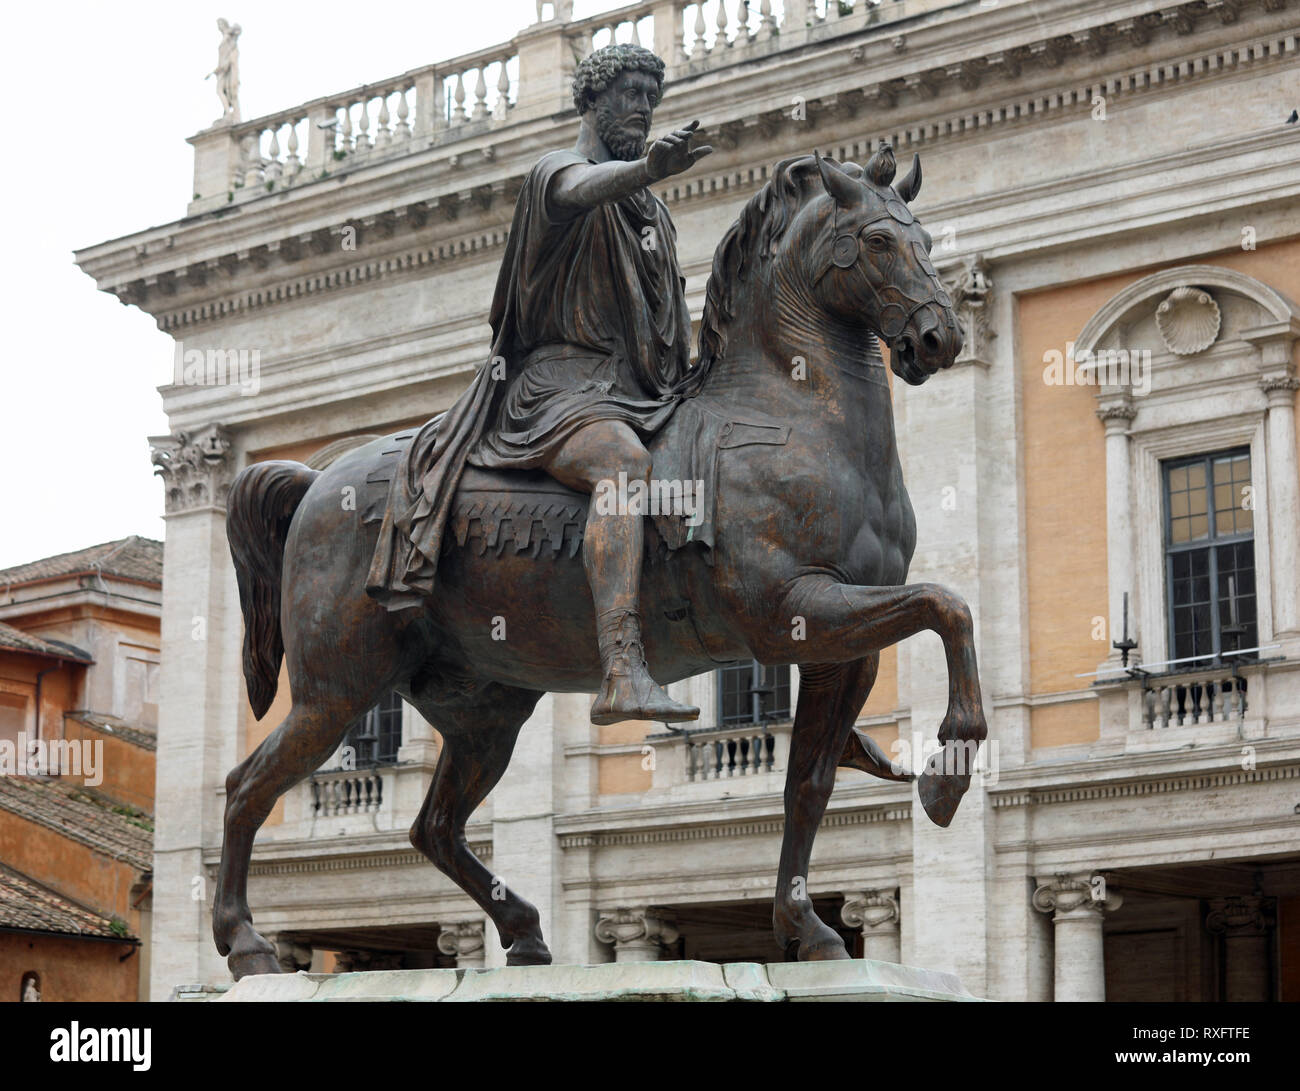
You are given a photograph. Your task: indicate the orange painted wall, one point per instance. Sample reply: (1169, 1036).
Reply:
(1065, 486)
(73, 869)
(127, 770)
(621, 774)
(70, 969)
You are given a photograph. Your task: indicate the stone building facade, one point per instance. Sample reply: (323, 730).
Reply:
(1113, 191)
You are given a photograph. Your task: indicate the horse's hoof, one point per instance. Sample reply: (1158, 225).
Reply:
(251, 954)
(941, 793)
(528, 952)
(251, 963)
(823, 944)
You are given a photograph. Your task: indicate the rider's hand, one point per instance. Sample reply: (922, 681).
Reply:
(673, 153)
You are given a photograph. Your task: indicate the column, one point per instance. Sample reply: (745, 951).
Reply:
(638, 935)
(464, 940)
(876, 913)
(1275, 342)
(1283, 499)
(1077, 902)
(1245, 923)
(199, 706)
(1116, 414)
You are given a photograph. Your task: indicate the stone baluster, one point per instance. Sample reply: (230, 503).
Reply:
(699, 48)
(464, 941)
(292, 164)
(720, 40)
(480, 110)
(501, 108)
(458, 115)
(383, 135)
(876, 913)
(362, 143)
(274, 168)
(637, 935)
(345, 131)
(766, 21)
(1245, 923)
(402, 129)
(1077, 902)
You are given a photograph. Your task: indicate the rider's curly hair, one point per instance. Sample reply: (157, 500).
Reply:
(597, 71)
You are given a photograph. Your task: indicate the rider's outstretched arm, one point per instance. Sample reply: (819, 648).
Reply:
(583, 186)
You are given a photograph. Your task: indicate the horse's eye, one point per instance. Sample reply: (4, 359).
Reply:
(878, 243)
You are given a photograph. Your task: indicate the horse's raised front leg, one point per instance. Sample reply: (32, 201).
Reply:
(830, 697)
(477, 744)
(844, 622)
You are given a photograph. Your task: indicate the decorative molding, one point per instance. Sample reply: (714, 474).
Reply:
(464, 941)
(1075, 895)
(1078, 793)
(1188, 320)
(1240, 915)
(971, 290)
(637, 935)
(371, 861)
(873, 911)
(196, 467)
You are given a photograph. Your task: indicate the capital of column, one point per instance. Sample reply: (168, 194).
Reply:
(1116, 415)
(291, 955)
(464, 941)
(874, 911)
(637, 935)
(1076, 895)
(1279, 390)
(970, 287)
(196, 467)
(1239, 915)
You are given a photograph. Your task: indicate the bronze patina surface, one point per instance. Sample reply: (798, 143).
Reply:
(485, 516)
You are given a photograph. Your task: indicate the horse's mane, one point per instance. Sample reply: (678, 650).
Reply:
(759, 226)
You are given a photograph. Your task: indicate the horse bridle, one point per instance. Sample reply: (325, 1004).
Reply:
(846, 253)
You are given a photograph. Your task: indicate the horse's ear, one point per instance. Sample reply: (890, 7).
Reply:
(910, 186)
(881, 166)
(846, 191)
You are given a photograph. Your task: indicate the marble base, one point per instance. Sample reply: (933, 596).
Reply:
(853, 980)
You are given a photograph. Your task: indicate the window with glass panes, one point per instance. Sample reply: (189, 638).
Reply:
(748, 692)
(377, 735)
(1210, 556)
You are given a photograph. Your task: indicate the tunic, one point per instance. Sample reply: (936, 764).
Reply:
(589, 323)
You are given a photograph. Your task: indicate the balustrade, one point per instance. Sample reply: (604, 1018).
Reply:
(1211, 696)
(346, 791)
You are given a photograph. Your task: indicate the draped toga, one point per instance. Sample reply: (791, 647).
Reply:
(589, 323)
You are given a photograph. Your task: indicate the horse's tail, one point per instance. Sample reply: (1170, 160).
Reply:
(259, 510)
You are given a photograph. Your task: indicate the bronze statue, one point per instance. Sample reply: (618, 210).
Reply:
(798, 553)
(591, 337)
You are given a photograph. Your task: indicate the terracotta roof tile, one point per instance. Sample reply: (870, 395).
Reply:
(78, 813)
(144, 737)
(27, 905)
(132, 558)
(17, 640)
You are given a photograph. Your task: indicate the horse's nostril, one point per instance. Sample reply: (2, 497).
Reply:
(931, 342)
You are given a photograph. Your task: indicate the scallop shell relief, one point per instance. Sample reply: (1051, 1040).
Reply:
(1188, 320)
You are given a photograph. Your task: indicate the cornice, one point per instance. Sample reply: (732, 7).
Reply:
(1081, 790)
(149, 268)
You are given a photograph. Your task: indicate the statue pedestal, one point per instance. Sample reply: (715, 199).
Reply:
(857, 979)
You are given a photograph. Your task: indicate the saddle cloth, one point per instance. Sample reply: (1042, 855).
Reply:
(528, 511)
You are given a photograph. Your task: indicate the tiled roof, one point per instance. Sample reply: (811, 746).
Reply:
(27, 905)
(144, 737)
(17, 640)
(132, 558)
(78, 813)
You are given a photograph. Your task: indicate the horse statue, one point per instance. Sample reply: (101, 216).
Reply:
(800, 558)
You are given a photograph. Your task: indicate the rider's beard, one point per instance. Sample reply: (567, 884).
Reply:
(625, 144)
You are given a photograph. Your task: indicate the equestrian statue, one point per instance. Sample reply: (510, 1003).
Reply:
(456, 578)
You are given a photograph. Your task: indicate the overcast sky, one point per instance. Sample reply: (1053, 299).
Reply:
(99, 99)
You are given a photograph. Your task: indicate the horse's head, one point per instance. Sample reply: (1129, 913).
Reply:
(868, 260)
